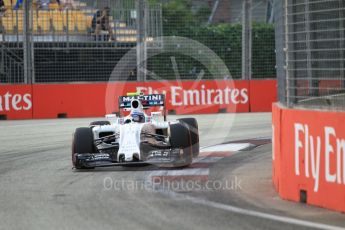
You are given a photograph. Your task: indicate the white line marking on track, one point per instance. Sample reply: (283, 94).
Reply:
(184, 172)
(232, 147)
(207, 159)
(252, 213)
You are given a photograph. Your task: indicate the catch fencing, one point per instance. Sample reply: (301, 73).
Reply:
(310, 53)
(70, 41)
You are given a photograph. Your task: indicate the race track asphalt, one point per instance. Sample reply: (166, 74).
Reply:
(40, 190)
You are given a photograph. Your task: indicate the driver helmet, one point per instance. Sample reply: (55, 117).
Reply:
(138, 116)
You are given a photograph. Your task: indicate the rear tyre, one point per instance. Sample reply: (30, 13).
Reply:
(96, 123)
(180, 138)
(82, 144)
(194, 134)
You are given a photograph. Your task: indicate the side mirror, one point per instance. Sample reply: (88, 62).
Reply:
(157, 116)
(112, 118)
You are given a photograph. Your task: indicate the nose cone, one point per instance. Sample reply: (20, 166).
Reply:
(132, 157)
(129, 140)
(129, 157)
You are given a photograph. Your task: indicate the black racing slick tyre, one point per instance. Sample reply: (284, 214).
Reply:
(194, 134)
(180, 138)
(96, 123)
(82, 144)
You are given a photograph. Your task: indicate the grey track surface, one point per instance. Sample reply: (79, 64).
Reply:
(40, 190)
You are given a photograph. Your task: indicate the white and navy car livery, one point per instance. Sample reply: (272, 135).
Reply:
(137, 138)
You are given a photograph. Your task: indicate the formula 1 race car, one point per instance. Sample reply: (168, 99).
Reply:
(136, 138)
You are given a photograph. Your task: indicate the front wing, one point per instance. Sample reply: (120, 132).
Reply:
(166, 157)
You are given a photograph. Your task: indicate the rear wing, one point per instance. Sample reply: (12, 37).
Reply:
(148, 101)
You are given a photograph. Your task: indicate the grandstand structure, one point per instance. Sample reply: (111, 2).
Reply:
(64, 44)
(59, 21)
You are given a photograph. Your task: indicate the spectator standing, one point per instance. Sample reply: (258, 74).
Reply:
(2, 13)
(101, 23)
(18, 4)
(2, 6)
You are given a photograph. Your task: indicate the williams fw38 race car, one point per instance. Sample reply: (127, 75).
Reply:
(136, 138)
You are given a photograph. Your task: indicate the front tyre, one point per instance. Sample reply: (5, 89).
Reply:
(82, 144)
(180, 139)
(192, 124)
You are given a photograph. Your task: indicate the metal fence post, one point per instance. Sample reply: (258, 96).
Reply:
(308, 47)
(141, 40)
(312, 81)
(27, 44)
(280, 49)
(247, 40)
(290, 55)
(342, 45)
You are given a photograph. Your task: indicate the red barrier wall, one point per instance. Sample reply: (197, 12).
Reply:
(309, 156)
(16, 101)
(262, 94)
(97, 99)
(74, 100)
